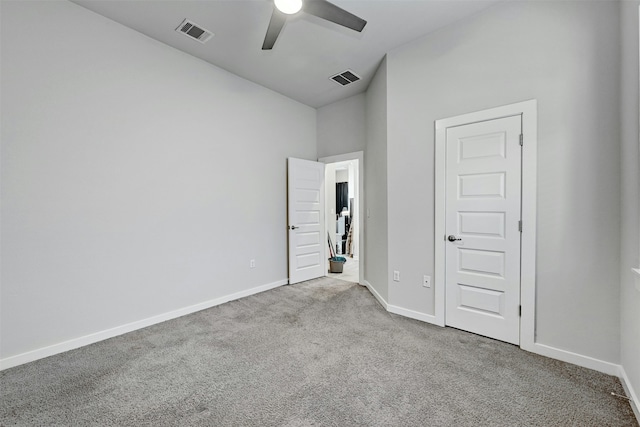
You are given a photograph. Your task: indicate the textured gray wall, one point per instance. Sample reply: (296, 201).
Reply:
(566, 55)
(375, 185)
(630, 115)
(341, 127)
(136, 180)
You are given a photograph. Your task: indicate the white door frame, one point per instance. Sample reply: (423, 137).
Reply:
(528, 111)
(357, 155)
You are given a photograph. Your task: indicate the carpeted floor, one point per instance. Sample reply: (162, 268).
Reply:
(320, 353)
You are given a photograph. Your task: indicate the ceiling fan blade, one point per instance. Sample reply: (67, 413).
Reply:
(329, 11)
(276, 23)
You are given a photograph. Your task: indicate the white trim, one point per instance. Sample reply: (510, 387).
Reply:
(440, 222)
(359, 156)
(356, 155)
(528, 111)
(74, 343)
(626, 384)
(575, 358)
(529, 222)
(428, 318)
(377, 296)
(490, 114)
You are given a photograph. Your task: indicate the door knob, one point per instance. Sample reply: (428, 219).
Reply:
(453, 238)
(293, 227)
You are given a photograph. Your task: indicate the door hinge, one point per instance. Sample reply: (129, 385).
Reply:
(520, 226)
(520, 311)
(521, 139)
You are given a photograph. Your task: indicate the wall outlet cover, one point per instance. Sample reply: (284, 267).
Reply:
(426, 281)
(396, 276)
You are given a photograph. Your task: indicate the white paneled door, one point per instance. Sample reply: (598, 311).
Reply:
(307, 236)
(482, 256)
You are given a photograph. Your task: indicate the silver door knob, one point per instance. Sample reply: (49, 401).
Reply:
(293, 227)
(453, 238)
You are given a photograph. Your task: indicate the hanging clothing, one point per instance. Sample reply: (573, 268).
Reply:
(342, 196)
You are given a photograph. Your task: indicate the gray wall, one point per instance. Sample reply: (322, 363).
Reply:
(341, 127)
(630, 114)
(375, 185)
(566, 55)
(342, 175)
(136, 179)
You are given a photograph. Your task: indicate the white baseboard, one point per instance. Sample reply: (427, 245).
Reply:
(541, 349)
(377, 296)
(72, 344)
(412, 314)
(399, 310)
(574, 358)
(635, 402)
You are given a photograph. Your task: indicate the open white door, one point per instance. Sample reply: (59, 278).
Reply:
(483, 188)
(306, 228)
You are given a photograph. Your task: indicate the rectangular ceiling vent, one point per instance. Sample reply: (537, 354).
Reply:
(194, 31)
(345, 78)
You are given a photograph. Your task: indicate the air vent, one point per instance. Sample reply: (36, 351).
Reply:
(194, 31)
(345, 78)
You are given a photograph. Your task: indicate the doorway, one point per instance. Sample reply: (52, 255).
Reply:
(343, 214)
(485, 222)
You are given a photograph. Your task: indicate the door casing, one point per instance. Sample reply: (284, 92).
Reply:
(358, 155)
(528, 112)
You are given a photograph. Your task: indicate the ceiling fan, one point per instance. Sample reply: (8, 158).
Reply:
(320, 8)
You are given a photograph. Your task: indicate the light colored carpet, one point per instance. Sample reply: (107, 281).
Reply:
(320, 353)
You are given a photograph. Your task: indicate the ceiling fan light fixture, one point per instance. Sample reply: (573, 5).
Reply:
(288, 6)
(322, 9)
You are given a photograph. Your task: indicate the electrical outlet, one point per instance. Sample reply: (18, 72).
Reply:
(396, 276)
(426, 281)
(252, 263)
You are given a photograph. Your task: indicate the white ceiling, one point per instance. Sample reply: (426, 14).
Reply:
(308, 51)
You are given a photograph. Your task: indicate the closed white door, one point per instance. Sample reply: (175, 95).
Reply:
(482, 256)
(307, 236)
